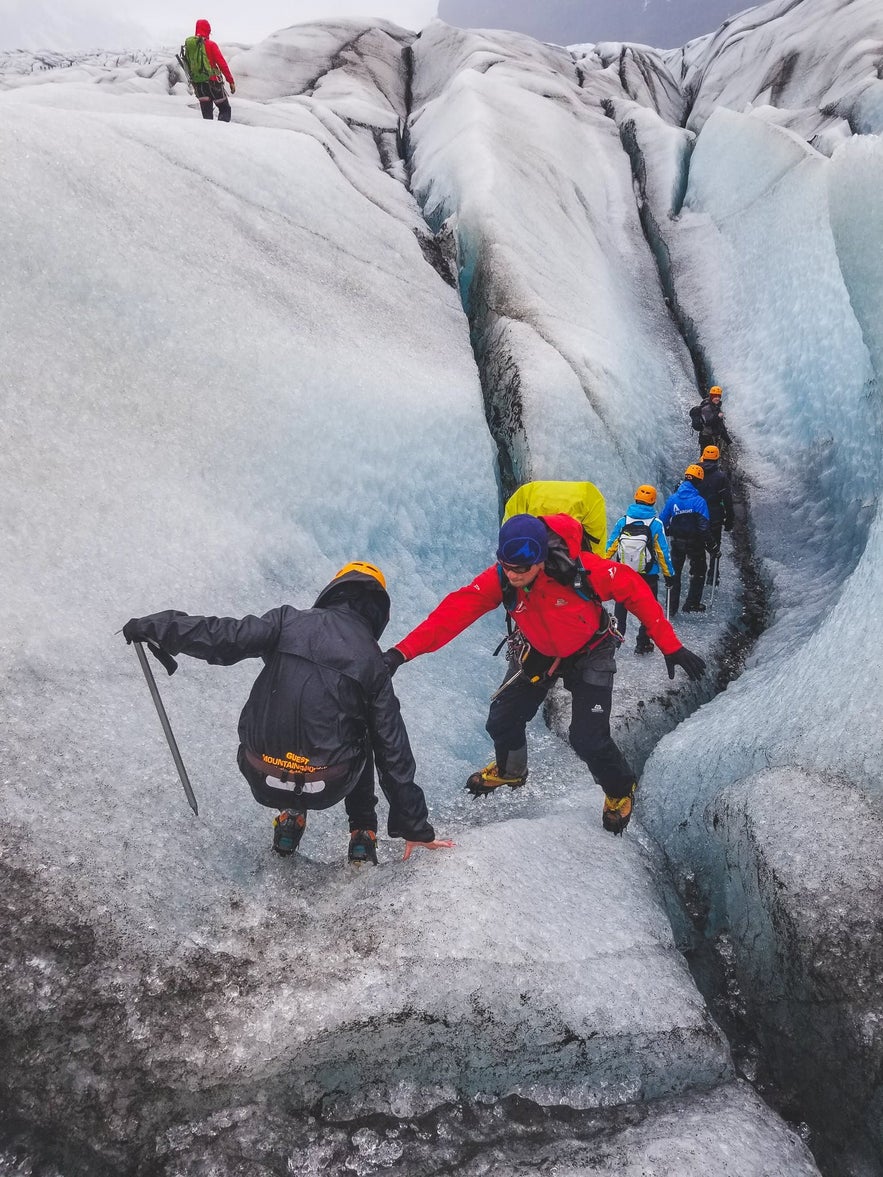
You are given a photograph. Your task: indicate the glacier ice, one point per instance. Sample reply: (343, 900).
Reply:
(228, 369)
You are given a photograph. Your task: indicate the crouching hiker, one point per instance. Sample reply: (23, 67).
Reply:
(553, 593)
(638, 539)
(321, 712)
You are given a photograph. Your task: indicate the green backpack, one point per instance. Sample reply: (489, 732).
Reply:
(196, 60)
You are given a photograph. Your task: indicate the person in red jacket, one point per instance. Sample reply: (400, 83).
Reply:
(212, 91)
(553, 593)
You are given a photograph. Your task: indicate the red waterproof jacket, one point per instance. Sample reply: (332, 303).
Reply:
(553, 617)
(215, 56)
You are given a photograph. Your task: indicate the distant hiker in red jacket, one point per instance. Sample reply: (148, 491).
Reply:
(553, 592)
(205, 65)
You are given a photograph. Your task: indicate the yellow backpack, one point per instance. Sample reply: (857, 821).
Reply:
(582, 500)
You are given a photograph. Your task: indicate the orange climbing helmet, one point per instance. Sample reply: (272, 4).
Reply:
(367, 569)
(711, 453)
(645, 494)
(694, 471)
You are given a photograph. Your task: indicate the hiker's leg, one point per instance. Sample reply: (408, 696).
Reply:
(219, 94)
(202, 90)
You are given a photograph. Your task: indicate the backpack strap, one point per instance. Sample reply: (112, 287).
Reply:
(510, 599)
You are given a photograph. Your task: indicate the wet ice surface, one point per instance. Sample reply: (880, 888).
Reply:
(201, 414)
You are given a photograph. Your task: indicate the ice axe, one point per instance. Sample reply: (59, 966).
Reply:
(170, 665)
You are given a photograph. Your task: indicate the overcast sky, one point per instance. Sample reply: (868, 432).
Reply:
(252, 20)
(69, 24)
(121, 24)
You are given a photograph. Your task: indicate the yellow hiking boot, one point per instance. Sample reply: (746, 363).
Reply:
(617, 812)
(483, 782)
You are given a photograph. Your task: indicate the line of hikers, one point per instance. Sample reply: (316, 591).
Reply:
(322, 712)
(688, 527)
(205, 67)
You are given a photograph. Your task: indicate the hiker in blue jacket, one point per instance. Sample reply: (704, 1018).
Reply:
(638, 539)
(685, 518)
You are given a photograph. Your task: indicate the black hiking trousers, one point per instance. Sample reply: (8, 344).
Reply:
(651, 579)
(589, 678)
(360, 802)
(682, 548)
(211, 94)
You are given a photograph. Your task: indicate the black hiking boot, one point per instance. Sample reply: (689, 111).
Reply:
(689, 608)
(644, 645)
(363, 847)
(288, 829)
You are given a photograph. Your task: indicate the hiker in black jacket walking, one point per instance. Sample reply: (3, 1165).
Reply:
(715, 489)
(707, 419)
(320, 713)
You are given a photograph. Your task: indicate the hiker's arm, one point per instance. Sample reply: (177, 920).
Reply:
(220, 641)
(455, 613)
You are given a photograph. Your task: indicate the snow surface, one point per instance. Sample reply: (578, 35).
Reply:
(233, 361)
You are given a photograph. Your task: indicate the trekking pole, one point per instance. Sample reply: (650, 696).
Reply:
(166, 726)
(715, 569)
(667, 598)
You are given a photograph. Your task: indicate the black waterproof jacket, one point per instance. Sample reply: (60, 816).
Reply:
(708, 421)
(715, 489)
(324, 693)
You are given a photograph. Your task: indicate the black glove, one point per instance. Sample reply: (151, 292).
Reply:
(714, 552)
(669, 581)
(693, 665)
(728, 526)
(393, 659)
(133, 632)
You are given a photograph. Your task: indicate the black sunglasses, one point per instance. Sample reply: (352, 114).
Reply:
(515, 567)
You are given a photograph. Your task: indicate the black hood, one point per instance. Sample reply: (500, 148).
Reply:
(363, 595)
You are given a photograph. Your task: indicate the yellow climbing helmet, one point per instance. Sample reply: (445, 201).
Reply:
(645, 494)
(361, 566)
(715, 391)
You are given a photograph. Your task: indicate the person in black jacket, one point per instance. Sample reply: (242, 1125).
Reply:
(321, 712)
(715, 489)
(708, 419)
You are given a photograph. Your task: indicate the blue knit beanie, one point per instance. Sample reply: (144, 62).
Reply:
(523, 540)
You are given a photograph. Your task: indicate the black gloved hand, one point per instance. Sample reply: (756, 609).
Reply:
(132, 631)
(693, 665)
(669, 581)
(393, 659)
(714, 552)
(728, 526)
